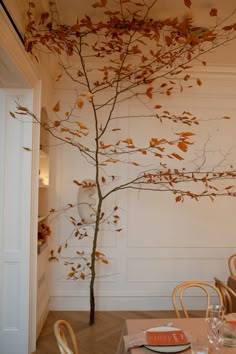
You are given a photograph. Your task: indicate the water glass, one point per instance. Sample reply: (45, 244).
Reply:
(215, 321)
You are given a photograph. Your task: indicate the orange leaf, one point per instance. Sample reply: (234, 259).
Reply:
(128, 141)
(112, 160)
(105, 261)
(182, 146)
(178, 157)
(56, 108)
(79, 103)
(13, 115)
(226, 117)
(157, 106)
(188, 3)
(135, 164)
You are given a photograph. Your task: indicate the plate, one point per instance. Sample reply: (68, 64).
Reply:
(167, 349)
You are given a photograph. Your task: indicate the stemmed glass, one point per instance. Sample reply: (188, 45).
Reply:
(215, 321)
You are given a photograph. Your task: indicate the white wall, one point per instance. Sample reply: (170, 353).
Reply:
(162, 242)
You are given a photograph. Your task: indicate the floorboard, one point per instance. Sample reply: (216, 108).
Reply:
(101, 338)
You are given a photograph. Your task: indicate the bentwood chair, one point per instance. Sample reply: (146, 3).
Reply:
(232, 264)
(228, 295)
(64, 335)
(180, 292)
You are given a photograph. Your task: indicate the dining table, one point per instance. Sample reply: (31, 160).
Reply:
(195, 329)
(232, 284)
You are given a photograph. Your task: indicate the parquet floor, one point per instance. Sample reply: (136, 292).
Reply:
(101, 338)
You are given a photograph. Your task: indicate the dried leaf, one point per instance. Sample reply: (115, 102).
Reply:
(12, 115)
(149, 92)
(105, 261)
(82, 276)
(213, 12)
(56, 108)
(188, 3)
(26, 148)
(56, 123)
(79, 103)
(182, 146)
(178, 199)
(178, 157)
(157, 106)
(199, 82)
(112, 160)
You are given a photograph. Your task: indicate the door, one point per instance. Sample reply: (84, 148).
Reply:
(15, 204)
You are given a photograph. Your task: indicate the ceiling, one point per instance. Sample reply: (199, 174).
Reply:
(163, 9)
(68, 11)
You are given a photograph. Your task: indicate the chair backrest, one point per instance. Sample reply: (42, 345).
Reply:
(232, 264)
(207, 288)
(227, 293)
(64, 334)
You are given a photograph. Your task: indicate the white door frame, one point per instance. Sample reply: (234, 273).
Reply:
(10, 42)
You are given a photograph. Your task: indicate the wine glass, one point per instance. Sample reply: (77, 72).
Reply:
(215, 321)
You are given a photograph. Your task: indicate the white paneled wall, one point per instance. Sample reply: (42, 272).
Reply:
(162, 242)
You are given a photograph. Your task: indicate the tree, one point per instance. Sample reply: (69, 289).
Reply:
(127, 55)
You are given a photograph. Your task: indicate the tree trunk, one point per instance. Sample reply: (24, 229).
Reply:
(93, 262)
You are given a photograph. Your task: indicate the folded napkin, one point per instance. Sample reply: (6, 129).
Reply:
(155, 338)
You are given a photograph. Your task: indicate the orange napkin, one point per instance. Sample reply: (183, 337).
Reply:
(166, 338)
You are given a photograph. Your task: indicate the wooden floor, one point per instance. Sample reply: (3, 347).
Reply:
(101, 338)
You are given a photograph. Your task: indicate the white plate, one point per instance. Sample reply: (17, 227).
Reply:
(167, 349)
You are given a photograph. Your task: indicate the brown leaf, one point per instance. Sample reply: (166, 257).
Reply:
(56, 123)
(149, 92)
(75, 27)
(188, 3)
(178, 199)
(22, 108)
(199, 82)
(12, 115)
(213, 12)
(82, 276)
(157, 106)
(76, 182)
(56, 108)
(26, 148)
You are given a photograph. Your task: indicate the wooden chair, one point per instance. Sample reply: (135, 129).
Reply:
(179, 292)
(227, 293)
(232, 264)
(64, 333)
